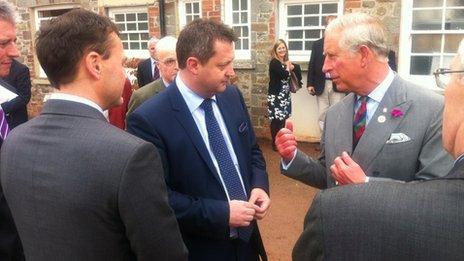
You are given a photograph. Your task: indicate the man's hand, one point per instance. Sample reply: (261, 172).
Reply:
(346, 171)
(285, 142)
(241, 213)
(311, 90)
(261, 200)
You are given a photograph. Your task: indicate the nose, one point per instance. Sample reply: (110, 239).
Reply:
(12, 50)
(327, 66)
(230, 71)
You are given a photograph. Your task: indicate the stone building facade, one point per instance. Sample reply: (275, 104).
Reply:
(260, 24)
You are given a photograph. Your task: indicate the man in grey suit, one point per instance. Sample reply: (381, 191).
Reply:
(79, 188)
(390, 127)
(420, 220)
(167, 66)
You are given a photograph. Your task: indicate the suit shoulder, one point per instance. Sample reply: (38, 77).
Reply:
(422, 94)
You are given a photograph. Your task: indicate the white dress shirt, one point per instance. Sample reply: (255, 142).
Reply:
(74, 98)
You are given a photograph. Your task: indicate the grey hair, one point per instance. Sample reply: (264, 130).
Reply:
(166, 44)
(8, 12)
(360, 29)
(153, 40)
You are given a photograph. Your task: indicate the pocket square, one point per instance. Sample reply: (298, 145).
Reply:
(398, 138)
(243, 127)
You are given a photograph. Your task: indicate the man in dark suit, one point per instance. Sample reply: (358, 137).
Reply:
(10, 244)
(214, 169)
(420, 220)
(318, 83)
(71, 196)
(147, 71)
(167, 65)
(19, 82)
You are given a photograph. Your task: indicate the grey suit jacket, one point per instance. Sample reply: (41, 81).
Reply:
(420, 220)
(144, 93)
(81, 189)
(422, 157)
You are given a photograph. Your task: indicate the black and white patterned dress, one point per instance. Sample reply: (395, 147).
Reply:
(278, 99)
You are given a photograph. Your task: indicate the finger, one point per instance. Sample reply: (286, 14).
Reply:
(347, 159)
(253, 198)
(289, 124)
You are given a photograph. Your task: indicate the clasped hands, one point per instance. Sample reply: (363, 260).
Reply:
(242, 213)
(344, 169)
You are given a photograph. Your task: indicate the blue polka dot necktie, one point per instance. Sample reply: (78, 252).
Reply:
(227, 168)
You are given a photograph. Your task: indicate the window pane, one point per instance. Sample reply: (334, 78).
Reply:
(311, 21)
(423, 43)
(297, 34)
(196, 8)
(134, 36)
(189, 19)
(143, 26)
(144, 45)
(135, 46)
(245, 31)
(119, 17)
(294, 10)
(244, 5)
(454, 19)
(244, 17)
(235, 6)
(245, 44)
(238, 45)
(295, 21)
(188, 8)
(122, 27)
(308, 45)
(142, 16)
(295, 45)
(144, 36)
(235, 18)
(426, 20)
(428, 3)
(421, 65)
(123, 36)
(130, 17)
(452, 42)
(455, 3)
(313, 34)
(237, 31)
(125, 46)
(131, 27)
(311, 9)
(329, 8)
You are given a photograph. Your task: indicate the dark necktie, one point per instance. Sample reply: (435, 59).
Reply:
(155, 72)
(4, 129)
(359, 122)
(227, 168)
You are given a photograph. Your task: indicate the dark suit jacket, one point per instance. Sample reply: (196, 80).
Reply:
(19, 82)
(82, 189)
(195, 191)
(145, 74)
(144, 93)
(420, 220)
(316, 77)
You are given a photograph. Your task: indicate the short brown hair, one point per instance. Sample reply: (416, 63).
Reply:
(62, 43)
(197, 40)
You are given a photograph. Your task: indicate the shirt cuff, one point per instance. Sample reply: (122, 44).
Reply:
(286, 166)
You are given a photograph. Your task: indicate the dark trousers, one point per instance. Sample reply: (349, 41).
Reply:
(276, 125)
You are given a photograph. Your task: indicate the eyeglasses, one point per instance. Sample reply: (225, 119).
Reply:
(169, 62)
(443, 76)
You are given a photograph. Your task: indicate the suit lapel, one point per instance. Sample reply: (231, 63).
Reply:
(378, 132)
(183, 115)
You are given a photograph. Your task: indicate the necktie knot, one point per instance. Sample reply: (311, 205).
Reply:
(206, 105)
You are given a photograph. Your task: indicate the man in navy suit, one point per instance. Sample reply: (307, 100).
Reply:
(19, 82)
(217, 194)
(147, 71)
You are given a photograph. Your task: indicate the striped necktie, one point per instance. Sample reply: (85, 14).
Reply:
(4, 129)
(359, 122)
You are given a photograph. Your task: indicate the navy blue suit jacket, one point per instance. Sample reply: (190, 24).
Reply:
(19, 82)
(144, 73)
(195, 191)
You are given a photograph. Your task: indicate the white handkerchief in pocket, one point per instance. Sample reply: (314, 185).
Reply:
(398, 138)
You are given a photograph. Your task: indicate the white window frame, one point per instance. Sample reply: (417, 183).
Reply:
(244, 54)
(301, 56)
(128, 10)
(404, 56)
(37, 21)
(182, 11)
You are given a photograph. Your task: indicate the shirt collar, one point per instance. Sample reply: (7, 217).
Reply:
(74, 98)
(379, 91)
(153, 61)
(192, 99)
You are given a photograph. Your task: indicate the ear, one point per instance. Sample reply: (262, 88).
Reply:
(366, 55)
(193, 65)
(93, 66)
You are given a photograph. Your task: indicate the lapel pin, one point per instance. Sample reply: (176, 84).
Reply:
(385, 110)
(381, 119)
